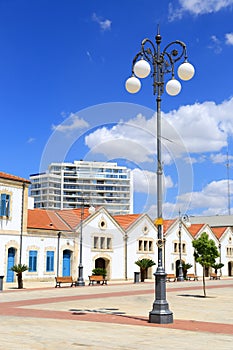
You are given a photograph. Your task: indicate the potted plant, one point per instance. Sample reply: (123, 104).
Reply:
(144, 264)
(99, 271)
(19, 269)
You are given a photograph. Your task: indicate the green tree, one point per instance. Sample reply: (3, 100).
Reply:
(19, 269)
(205, 253)
(144, 264)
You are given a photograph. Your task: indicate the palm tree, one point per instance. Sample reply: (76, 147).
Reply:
(19, 269)
(144, 264)
(217, 266)
(185, 267)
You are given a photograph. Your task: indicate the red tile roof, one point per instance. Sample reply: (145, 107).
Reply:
(125, 221)
(167, 224)
(195, 228)
(73, 216)
(69, 219)
(46, 220)
(13, 177)
(219, 231)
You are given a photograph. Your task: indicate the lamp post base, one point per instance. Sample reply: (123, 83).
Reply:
(80, 283)
(161, 318)
(160, 313)
(180, 277)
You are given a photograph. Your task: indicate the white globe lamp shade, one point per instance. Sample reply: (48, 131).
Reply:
(133, 85)
(173, 87)
(141, 69)
(186, 71)
(188, 224)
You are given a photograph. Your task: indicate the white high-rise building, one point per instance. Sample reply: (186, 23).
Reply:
(70, 185)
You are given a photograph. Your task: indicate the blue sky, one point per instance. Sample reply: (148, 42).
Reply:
(63, 66)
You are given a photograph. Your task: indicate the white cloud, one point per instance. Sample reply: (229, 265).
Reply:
(31, 140)
(203, 127)
(72, 123)
(89, 56)
(213, 199)
(192, 129)
(127, 140)
(221, 158)
(197, 7)
(146, 181)
(218, 158)
(105, 24)
(229, 38)
(215, 44)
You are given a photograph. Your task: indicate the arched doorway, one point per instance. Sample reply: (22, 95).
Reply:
(230, 268)
(103, 263)
(66, 263)
(10, 263)
(100, 262)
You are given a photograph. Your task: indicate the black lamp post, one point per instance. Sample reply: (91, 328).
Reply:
(220, 257)
(80, 281)
(161, 62)
(58, 251)
(184, 219)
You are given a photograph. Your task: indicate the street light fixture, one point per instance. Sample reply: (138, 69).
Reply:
(80, 281)
(150, 56)
(184, 219)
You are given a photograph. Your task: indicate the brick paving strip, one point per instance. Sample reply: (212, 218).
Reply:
(15, 308)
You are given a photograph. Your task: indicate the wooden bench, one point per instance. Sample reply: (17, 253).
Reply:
(191, 276)
(214, 276)
(97, 279)
(170, 278)
(65, 279)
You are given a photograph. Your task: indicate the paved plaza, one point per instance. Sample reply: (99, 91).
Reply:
(115, 316)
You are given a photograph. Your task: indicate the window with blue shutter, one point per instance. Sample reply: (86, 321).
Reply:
(5, 204)
(49, 261)
(32, 261)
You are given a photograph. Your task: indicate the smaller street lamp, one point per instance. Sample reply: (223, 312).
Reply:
(220, 257)
(80, 282)
(58, 251)
(184, 219)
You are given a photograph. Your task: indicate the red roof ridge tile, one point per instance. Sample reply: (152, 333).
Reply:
(13, 177)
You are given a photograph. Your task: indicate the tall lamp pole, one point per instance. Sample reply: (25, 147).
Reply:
(184, 219)
(161, 62)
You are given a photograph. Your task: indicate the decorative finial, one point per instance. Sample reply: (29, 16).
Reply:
(158, 37)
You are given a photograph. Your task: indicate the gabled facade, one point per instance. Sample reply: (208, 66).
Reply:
(225, 245)
(139, 240)
(174, 243)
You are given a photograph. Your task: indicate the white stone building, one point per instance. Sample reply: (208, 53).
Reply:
(13, 221)
(48, 241)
